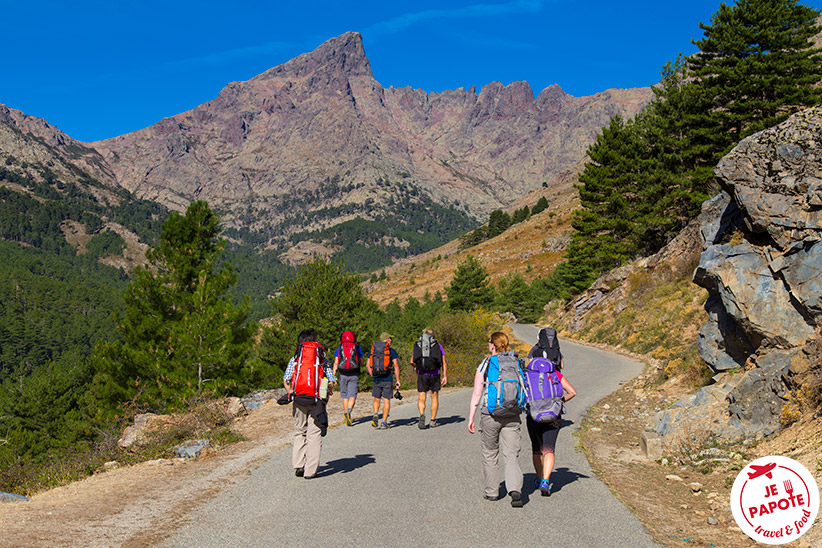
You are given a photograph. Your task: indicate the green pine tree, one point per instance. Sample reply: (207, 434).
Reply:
(323, 297)
(470, 287)
(181, 333)
(756, 66)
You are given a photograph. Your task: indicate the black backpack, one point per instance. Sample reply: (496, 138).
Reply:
(548, 345)
(427, 354)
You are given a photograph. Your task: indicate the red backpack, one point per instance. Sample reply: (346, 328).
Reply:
(349, 357)
(308, 370)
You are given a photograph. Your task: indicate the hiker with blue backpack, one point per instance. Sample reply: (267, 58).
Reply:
(347, 360)
(546, 391)
(499, 383)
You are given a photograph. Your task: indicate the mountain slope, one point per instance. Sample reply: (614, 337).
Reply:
(317, 142)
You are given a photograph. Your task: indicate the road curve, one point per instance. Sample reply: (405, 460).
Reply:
(406, 487)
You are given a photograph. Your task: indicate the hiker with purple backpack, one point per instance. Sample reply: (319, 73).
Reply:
(547, 390)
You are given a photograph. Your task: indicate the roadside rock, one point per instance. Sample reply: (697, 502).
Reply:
(12, 497)
(137, 434)
(762, 267)
(192, 449)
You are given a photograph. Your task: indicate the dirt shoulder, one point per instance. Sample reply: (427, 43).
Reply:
(138, 505)
(682, 506)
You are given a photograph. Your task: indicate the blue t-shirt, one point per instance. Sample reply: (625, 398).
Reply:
(358, 350)
(392, 355)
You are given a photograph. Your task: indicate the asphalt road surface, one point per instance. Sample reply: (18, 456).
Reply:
(410, 487)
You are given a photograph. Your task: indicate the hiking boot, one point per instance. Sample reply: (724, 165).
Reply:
(433, 423)
(375, 420)
(516, 499)
(383, 426)
(421, 424)
(545, 488)
(299, 472)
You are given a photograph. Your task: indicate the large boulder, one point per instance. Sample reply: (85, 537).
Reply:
(762, 267)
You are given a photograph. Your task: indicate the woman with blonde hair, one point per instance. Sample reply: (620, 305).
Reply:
(499, 384)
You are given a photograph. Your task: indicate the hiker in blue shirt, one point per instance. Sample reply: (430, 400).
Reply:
(382, 365)
(347, 360)
(499, 431)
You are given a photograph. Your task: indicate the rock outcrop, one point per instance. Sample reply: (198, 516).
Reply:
(762, 267)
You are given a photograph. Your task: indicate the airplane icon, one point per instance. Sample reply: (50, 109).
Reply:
(762, 471)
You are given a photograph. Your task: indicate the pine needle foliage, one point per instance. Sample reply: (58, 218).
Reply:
(647, 177)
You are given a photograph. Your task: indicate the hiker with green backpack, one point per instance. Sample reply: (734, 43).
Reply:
(499, 383)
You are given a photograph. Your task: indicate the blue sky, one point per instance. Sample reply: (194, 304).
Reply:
(97, 69)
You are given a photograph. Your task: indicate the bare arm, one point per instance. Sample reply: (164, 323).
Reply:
(336, 363)
(444, 371)
(397, 371)
(475, 399)
(568, 389)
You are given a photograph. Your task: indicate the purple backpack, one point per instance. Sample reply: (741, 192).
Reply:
(543, 391)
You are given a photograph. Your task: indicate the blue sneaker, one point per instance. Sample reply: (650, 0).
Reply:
(384, 426)
(545, 488)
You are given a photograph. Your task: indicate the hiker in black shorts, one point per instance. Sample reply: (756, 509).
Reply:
(428, 359)
(544, 441)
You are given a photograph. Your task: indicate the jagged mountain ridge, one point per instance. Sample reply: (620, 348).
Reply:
(318, 141)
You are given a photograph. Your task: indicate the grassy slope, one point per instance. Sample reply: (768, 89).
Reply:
(533, 247)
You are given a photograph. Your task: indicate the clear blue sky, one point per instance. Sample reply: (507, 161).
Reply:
(98, 69)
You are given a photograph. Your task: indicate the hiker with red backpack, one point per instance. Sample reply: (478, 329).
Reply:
(382, 365)
(546, 391)
(347, 360)
(308, 379)
(499, 383)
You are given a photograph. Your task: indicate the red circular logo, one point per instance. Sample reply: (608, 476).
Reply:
(775, 500)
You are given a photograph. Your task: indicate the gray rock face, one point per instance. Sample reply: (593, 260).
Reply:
(762, 266)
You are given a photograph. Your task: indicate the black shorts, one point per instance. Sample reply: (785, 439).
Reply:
(429, 383)
(543, 435)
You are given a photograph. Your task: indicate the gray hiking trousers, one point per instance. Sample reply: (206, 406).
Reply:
(505, 434)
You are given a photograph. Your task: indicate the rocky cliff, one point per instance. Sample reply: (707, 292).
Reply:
(318, 141)
(762, 267)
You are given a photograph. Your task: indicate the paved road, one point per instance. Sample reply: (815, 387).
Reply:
(410, 487)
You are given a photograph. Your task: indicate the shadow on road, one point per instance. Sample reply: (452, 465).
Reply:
(348, 464)
(559, 478)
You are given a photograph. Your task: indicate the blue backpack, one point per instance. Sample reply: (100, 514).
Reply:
(543, 390)
(504, 386)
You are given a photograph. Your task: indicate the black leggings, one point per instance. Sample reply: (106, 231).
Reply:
(543, 435)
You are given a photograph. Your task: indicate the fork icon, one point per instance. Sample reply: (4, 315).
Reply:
(788, 487)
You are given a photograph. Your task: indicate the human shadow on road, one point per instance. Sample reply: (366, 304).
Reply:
(560, 477)
(348, 464)
(450, 420)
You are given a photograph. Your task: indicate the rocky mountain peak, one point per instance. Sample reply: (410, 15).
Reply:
(343, 54)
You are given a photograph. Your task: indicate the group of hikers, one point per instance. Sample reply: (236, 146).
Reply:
(504, 387)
